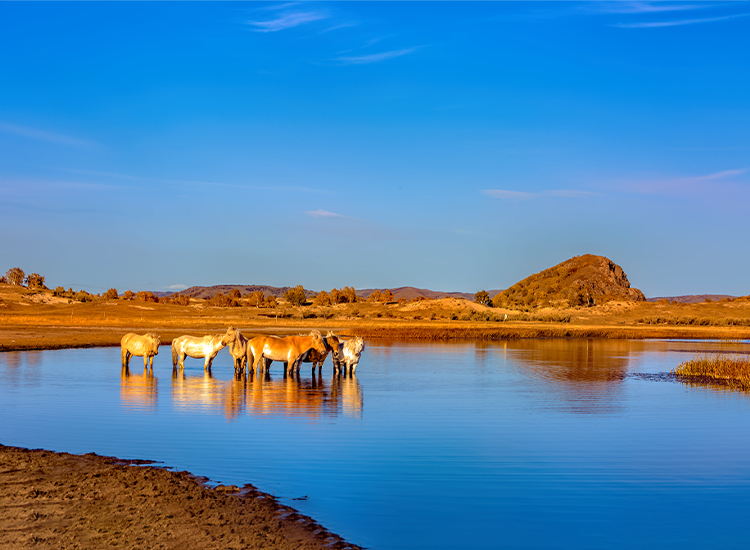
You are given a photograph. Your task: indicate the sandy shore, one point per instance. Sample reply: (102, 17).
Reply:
(59, 500)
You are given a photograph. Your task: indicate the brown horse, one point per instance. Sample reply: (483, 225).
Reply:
(146, 345)
(200, 346)
(313, 356)
(289, 349)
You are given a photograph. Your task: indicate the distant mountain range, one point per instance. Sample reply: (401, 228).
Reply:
(693, 298)
(408, 292)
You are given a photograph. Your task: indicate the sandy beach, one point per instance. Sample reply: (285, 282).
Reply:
(60, 500)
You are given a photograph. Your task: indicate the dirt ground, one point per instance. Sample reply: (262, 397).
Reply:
(59, 500)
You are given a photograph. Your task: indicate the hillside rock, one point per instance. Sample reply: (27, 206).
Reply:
(582, 280)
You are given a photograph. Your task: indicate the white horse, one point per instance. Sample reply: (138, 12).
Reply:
(146, 345)
(349, 354)
(200, 346)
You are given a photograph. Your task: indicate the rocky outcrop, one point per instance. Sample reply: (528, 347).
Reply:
(582, 280)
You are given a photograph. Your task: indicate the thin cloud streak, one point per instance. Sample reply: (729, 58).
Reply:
(43, 135)
(324, 214)
(523, 195)
(678, 23)
(287, 21)
(650, 7)
(374, 58)
(191, 182)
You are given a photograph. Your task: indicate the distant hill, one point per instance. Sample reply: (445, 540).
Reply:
(211, 291)
(409, 292)
(581, 280)
(693, 298)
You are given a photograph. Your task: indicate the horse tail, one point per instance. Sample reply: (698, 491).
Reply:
(174, 355)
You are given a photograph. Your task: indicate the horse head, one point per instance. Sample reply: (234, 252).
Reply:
(317, 341)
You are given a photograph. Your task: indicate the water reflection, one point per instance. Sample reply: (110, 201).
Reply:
(139, 392)
(284, 395)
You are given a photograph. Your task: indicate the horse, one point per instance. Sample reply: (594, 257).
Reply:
(331, 342)
(289, 349)
(238, 349)
(146, 345)
(349, 354)
(200, 346)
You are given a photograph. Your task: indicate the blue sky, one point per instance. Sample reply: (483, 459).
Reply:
(451, 146)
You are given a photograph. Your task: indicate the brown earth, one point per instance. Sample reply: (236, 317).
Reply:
(59, 500)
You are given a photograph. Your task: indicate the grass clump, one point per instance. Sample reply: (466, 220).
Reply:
(727, 369)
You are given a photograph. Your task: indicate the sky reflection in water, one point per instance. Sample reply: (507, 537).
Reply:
(516, 444)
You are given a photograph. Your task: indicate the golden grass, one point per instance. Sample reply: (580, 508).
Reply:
(731, 370)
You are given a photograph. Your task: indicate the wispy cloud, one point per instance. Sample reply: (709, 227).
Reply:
(147, 179)
(324, 214)
(523, 195)
(678, 22)
(687, 185)
(287, 18)
(176, 287)
(650, 7)
(43, 135)
(374, 58)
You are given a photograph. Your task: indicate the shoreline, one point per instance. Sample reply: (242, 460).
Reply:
(62, 500)
(23, 337)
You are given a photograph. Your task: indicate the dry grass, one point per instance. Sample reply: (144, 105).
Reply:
(38, 320)
(731, 370)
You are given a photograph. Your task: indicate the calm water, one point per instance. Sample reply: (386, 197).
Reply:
(519, 444)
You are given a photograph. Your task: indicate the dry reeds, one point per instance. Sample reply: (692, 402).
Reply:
(727, 369)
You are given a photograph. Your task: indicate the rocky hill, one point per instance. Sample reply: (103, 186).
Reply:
(693, 298)
(582, 280)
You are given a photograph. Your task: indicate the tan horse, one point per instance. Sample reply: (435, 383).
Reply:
(200, 346)
(146, 345)
(238, 349)
(313, 356)
(289, 349)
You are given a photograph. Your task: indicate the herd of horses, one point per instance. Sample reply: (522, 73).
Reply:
(254, 354)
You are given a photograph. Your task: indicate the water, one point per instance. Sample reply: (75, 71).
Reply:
(517, 444)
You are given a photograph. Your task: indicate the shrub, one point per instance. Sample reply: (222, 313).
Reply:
(222, 300)
(270, 302)
(146, 296)
(257, 299)
(34, 280)
(295, 296)
(181, 300)
(128, 295)
(111, 294)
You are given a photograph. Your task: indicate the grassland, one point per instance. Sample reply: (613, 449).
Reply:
(35, 319)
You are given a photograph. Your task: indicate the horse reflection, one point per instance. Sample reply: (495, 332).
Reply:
(347, 390)
(139, 391)
(287, 395)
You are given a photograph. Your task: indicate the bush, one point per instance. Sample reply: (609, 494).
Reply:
(128, 295)
(295, 296)
(222, 300)
(181, 300)
(34, 280)
(111, 294)
(146, 296)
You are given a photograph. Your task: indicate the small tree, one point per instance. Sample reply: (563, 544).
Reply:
(483, 297)
(34, 280)
(59, 291)
(295, 296)
(322, 299)
(387, 296)
(270, 302)
(375, 296)
(15, 276)
(146, 296)
(111, 294)
(257, 299)
(235, 294)
(181, 300)
(128, 295)
(350, 294)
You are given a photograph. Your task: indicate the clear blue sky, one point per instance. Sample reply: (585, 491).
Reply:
(450, 146)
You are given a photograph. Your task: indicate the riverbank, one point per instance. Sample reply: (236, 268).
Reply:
(59, 500)
(24, 337)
